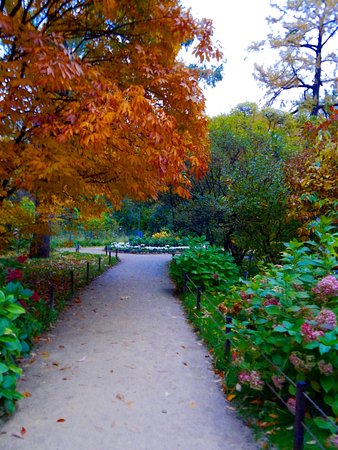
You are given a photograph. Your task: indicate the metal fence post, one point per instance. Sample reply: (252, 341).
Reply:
(109, 257)
(298, 442)
(227, 346)
(99, 263)
(198, 298)
(106, 249)
(116, 254)
(87, 272)
(51, 296)
(72, 282)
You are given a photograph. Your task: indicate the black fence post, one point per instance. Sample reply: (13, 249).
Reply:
(87, 272)
(185, 284)
(298, 442)
(72, 282)
(227, 346)
(109, 257)
(116, 254)
(51, 296)
(106, 249)
(198, 298)
(99, 263)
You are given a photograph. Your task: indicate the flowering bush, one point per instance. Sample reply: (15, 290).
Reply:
(285, 320)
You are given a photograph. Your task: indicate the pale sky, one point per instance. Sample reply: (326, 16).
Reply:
(236, 24)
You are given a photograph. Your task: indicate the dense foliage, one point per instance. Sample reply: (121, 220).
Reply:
(77, 79)
(284, 326)
(206, 265)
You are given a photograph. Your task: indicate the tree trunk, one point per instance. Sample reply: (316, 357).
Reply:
(40, 246)
(317, 82)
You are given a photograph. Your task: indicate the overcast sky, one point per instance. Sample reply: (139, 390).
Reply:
(237, 23)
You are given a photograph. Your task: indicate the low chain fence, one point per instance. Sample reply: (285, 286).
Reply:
(303, 400)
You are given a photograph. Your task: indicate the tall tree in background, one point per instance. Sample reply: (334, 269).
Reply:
(303, 33)
(95, 103)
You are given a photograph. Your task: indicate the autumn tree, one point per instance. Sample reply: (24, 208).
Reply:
(95, 103)
(304, 35)
(312, 173)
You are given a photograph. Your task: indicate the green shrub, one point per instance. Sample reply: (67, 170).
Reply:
(12, 345)
(285, 319)
(171, 241)
(206, 265)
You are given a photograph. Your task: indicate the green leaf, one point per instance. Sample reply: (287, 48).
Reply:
(272, 310)
(334, 407)
(280, 329)
(324, 349)
(323, 424)
(327, 383)
(3, 368)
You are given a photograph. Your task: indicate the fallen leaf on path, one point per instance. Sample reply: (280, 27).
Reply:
(192, 404)
(231, 397)
(61, 420)
(120, 397)
(61, 346)
(55, 364)
(26, 394)
(231, 408)
(66, 368)
(23, 431)
(129, 403)
(44, 355)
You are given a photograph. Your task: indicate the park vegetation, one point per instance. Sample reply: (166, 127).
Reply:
(104, 140)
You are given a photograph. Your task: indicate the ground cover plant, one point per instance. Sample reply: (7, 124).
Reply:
(26, 310)
(284, 328)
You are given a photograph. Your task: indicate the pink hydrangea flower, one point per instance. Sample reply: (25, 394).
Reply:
(327, 287)
(300, 364)
(333, 441)
(291, 405)
(271, 301)
(309, 333)
(252, 378)
(326, 319)
(278, 381)
(325, 368)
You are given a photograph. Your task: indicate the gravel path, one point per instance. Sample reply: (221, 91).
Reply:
(123, 370)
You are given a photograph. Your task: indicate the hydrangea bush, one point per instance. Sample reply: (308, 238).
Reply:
(285, 320)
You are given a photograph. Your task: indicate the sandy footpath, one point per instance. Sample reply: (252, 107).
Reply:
(123, 370)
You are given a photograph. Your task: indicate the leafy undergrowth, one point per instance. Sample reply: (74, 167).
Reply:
(27, 307)
(283, 330)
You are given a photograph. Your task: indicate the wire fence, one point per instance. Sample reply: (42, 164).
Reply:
(302, 398)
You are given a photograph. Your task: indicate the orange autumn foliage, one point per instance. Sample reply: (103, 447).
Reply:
(95, 101)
